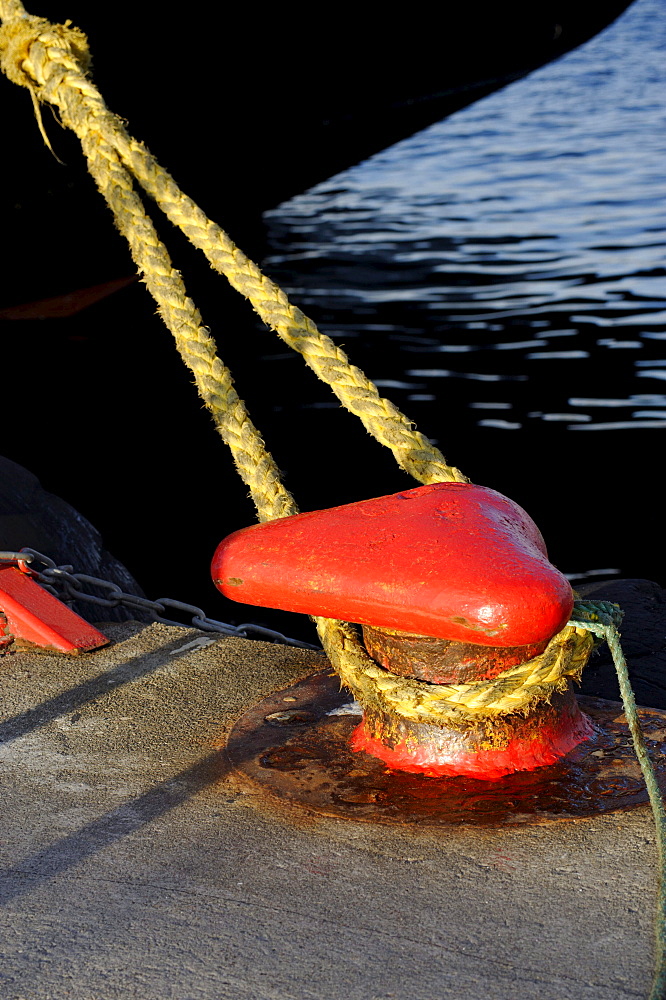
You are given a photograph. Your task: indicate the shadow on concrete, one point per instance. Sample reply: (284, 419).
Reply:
(68, 701)
(111, 827)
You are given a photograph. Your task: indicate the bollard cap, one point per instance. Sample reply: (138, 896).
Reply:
(451, 560)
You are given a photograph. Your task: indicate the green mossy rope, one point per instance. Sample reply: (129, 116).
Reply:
(602, 618)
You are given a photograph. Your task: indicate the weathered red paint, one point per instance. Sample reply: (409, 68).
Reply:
(37, 618)
(450, 560)
(520, 744)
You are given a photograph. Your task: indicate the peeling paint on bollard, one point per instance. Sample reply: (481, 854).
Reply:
(487, 749)
(482, 746)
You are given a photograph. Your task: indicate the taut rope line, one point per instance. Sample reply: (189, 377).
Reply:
(197, 348)
(52, 62)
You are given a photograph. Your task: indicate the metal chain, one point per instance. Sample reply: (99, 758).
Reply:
(65, 584)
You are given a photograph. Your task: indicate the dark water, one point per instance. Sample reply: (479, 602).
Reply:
(502, 276)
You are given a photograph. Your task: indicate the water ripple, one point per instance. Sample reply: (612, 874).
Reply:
(539, 213)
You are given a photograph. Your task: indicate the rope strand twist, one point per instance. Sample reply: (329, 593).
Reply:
(517, 689)
(52, 61)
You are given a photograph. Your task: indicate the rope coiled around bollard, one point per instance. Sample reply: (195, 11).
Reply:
(516, 690)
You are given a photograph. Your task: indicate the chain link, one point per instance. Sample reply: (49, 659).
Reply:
(65, 584)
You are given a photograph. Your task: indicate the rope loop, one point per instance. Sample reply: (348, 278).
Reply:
(31, 46)
(586, 613)
(517, 689)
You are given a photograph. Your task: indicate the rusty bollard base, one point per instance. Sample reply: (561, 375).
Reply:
(481, 749)
(295, 745)
(476, 746)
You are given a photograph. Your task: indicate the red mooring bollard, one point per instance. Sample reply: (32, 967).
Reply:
(451, 583)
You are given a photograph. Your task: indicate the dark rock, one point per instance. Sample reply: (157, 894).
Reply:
(32, 517)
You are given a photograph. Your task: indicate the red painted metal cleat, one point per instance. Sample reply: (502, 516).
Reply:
(451, 560)
(452, 586)
(38, 621)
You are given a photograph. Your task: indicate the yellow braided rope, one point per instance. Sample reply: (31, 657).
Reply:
(517, 689)
(195, 345)
(51, 60)
(380, 417)
(197, 348)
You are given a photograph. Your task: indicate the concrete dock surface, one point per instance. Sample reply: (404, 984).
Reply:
(136, 864)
